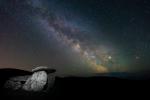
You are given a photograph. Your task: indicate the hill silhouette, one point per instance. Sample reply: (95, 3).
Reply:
(78, 86)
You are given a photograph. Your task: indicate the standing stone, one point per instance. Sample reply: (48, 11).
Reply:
(41, 79)
(36, 82)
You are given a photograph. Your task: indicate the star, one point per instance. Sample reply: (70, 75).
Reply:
(109, 57)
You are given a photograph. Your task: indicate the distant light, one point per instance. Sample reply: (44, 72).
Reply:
(109, 57)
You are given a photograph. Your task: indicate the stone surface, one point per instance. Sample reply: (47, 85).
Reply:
(40, 68)
(16, 83)
(36, 82)
(41, 79)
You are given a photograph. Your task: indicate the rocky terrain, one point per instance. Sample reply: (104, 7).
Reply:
(67, 87)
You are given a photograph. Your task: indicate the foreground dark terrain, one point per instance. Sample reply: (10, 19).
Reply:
(76, 87)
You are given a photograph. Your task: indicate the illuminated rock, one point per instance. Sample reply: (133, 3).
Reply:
(36, 82)
(41, 79)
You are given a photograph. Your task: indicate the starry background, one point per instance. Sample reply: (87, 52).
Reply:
(76, 37)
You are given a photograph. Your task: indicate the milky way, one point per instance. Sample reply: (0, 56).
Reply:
(75, 40)
(75, 37)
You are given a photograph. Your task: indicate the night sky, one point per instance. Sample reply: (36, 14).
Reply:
(76, 37)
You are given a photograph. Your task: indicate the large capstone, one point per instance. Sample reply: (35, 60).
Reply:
(36, 82)
(41, 79)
